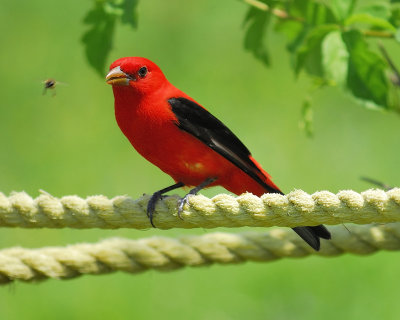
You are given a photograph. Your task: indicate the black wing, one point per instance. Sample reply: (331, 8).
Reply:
(197, 121)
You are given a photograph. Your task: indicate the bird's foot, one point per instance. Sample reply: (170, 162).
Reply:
(181, 204)
(194, 191)
(151, 206)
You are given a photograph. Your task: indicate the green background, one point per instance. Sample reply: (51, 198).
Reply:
(70, 144)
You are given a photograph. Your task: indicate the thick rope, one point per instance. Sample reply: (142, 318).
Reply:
(164, 254)
(295, 209)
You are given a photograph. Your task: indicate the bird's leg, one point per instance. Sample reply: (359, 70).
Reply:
(194, 191)
(158, 196)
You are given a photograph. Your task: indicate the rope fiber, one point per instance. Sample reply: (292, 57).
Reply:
(297, 208)
(160, 253)
(166, 254)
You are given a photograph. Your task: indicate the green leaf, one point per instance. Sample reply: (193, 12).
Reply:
(366, 18)
(290, 28)
(395, 17)
(130, 15)
(298, 40)
(307, 118)
(313, 13)
(379, 10)
(309, 55)
(102, 19)
(113, 8)
(366, 78)
(98, 39)
(295, 32)
(320, 14)
(335, 58)
(342, 8)
(257, 22)
(125, 9)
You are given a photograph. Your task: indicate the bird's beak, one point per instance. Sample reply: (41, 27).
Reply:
(117, 77)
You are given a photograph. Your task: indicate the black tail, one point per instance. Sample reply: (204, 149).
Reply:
(311, 235)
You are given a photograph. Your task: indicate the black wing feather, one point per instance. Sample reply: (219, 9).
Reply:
(197, 121)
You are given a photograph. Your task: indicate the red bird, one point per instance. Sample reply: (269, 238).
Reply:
(184, 140)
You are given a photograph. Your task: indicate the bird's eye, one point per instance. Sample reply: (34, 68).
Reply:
(142, 72)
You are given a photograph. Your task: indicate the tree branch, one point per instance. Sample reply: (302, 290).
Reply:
(279, 13)
(396, 74)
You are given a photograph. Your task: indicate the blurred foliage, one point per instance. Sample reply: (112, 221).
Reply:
(329, 41)
(257, 22)
(307, 116)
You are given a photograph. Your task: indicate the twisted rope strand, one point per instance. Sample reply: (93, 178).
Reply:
(295, 209)
(165, 254)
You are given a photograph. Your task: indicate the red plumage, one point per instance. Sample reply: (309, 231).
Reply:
(145, 117)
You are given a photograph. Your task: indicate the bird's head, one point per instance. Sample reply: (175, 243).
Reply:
(135, 75)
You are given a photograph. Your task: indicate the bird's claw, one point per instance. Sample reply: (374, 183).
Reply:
(151, 206)
(159, 195)
(182, 202)
(194, 191)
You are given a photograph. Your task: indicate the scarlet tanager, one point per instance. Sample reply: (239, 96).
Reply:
(184, 140)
